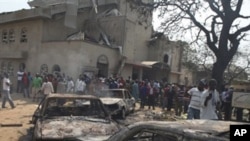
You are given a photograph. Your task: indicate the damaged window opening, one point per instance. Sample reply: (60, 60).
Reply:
(56, 69)
(5, 36)
(23, 38)
(73, 107)
(165, 59)
(44, 69)
(10, 69)
(11, 35)
(3, 66)
(22, 66)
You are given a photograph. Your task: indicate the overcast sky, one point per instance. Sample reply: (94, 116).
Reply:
(13, 5)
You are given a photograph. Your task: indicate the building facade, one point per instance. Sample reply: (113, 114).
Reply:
(104, 39)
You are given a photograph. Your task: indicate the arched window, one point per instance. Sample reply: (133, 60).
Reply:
(102, 65)
(56, 69)
(166, 58)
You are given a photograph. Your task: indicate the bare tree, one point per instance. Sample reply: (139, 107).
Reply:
(197, 60)
(235, 70)
(217, 23)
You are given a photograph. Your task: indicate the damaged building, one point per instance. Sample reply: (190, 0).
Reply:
(95, 37)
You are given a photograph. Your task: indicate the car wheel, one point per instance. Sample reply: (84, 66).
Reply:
(123, 114)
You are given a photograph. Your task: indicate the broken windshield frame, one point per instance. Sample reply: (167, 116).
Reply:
(111, 94)
(73, 107)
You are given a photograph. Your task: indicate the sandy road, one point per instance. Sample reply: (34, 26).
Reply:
(20, 115)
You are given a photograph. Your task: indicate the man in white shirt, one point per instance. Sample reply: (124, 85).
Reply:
(195, 101)
(70, 85)
(6, 92)
(47, 87)
(209, 101)
(81, 87)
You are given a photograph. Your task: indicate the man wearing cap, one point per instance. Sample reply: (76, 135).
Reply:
(195, 101)
(6, 92)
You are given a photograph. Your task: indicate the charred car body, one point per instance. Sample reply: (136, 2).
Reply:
(118, 101)
(72, 117)
(183, 130)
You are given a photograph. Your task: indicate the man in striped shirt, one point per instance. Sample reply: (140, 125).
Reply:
(195, 101)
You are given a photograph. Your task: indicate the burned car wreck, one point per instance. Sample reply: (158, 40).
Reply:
(72, 117)
(118, 101)
(182, 130)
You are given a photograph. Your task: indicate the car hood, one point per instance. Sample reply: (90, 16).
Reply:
(78, 128)
(108, 100)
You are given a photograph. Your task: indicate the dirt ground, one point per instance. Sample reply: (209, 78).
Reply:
(22, 114)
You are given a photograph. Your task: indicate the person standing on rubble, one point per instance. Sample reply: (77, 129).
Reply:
(36, 86)
(26, 83)
(178, 98)
(135, 90)
(165, 96)
(47, 87)
(81, 87)
(195, 100)
(151, 96)
(209, 101)
(6, 92)
(30, 77)
(143, 94)
(170, 98)
(227, 96)
(19, 88)
(70, 85)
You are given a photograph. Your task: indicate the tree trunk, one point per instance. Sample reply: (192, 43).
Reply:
(218, 72)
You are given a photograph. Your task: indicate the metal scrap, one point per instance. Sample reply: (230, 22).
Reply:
(77, 36)
(11, 125)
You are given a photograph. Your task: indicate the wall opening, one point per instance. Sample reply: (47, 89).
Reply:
(102, 65)
(23, 38)
(44, 69)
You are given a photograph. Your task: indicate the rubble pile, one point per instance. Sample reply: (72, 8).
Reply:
(147, 115)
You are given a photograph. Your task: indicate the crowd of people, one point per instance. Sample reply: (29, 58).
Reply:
(198, 102)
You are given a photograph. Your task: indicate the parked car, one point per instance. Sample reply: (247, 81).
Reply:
(72, 117)
(118, 101)
(183, 130)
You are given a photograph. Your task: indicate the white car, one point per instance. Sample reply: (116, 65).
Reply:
(118, 101)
